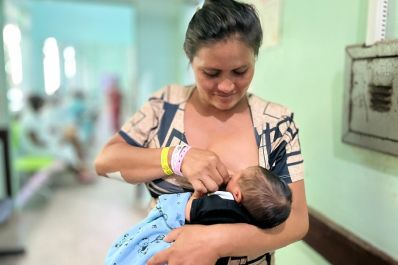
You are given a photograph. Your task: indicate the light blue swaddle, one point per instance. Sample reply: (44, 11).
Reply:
(145, 239)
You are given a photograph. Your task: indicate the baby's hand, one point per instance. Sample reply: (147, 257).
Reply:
(197, 194)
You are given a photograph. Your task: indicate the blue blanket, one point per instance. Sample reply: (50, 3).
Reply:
(145, 239)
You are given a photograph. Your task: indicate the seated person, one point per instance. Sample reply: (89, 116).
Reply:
(255, 196)
(33, 141)
(43, 134)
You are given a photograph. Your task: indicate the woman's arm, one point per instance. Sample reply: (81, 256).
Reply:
(195, 195)
(203, 168)
(135, 164)
(294, 229)
(235, 239)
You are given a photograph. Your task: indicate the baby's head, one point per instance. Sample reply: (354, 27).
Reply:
(265, 196)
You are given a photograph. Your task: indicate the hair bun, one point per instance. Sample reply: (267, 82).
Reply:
(209, 2)
(215, 2)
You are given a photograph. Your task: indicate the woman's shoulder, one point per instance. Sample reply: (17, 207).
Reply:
(173, 94)
(265, 111)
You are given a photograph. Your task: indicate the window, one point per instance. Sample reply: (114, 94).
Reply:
(69, 62)
(13, 65)
(51, 65)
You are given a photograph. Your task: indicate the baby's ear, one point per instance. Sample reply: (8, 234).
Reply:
(237, 195)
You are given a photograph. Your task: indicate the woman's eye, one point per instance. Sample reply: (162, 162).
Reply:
(211, 74)
(240, 72)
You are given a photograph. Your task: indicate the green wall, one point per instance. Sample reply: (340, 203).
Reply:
(159, 46)
(355, 187)
(101, 34)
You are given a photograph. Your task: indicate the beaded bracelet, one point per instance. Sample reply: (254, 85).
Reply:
(178, 156)
(164, 161)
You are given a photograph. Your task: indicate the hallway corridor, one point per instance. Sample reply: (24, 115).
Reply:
(76, 225)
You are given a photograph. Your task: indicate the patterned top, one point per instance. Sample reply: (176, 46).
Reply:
(160, 123)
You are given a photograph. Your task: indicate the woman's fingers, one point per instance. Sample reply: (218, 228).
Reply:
(173, 235)
(197, 185)
(187, 247)
(209, 183)
(204, 169)
(223, 171)
(215, 176)
(160, 258)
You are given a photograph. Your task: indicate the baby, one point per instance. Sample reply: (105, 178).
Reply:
(254, 196)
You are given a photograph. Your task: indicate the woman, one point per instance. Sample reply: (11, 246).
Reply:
(227, 128)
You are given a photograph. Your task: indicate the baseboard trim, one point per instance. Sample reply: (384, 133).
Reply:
(339, 246)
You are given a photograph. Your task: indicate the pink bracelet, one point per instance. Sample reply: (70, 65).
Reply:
(177, 157)
(174, 159)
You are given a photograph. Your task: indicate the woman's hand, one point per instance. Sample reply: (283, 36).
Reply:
(204, 170)
(192, 245)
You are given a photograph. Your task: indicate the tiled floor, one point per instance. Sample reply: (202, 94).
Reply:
(75, 225)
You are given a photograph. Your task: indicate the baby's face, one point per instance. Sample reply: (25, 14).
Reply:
(233, 182)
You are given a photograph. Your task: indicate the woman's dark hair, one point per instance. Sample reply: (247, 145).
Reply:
(220, 19)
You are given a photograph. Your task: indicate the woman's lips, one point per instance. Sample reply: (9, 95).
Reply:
(224, 95)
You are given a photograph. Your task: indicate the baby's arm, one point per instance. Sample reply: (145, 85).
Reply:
(195, 195)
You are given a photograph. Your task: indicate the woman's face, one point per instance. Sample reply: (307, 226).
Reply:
(223, 71)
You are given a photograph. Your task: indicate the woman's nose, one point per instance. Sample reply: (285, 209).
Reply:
(226, 85)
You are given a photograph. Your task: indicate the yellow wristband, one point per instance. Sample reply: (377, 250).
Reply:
(164, 161)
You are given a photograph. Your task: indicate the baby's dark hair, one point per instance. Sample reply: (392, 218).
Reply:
(220, 19)
(265, 196)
